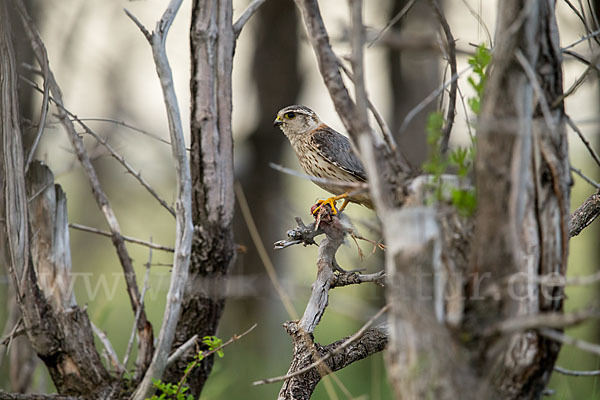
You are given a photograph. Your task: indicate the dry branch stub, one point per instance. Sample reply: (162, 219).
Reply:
(329, 274)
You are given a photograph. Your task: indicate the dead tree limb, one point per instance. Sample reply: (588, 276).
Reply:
(183, 219)
(40, 263)
(585, 214)
(311, 361)
(144, 327)
(212, 41)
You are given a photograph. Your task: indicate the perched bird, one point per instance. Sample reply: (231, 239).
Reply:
(324, 154)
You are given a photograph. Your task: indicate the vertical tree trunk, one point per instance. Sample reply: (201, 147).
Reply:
(521, 231)
(212, 43)
(523, 181)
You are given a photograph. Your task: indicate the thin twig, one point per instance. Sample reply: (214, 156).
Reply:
(110, 350)
(181, 350)
(141, 26)
(393, 21)
(211, 352)
(586, 142)
(581, 18)
(358, 67)
(571, 372)
(480, 21)
(385, 130)
(289, 171)
(335, 351)
(431, 97)
(128, 126)
(528, 69)
(585, 177)
(246, 15)
(136, 174)
(565, 339)
(262, 252)
(578, 82)
(453, 70)
(544, 320)
(583, 39)
(137, 315)
(43, 112)
(126, 238)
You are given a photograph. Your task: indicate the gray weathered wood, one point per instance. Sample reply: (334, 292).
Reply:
(58, 330)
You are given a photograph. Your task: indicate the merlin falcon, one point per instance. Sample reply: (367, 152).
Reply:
(325, 154)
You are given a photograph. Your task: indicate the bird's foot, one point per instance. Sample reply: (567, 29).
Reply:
(332, 202)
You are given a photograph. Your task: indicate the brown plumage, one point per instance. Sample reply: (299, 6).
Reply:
(323, 153)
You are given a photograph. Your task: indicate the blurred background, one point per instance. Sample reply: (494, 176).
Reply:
(105, 68)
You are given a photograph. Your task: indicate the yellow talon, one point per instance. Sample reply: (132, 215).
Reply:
(332, 201)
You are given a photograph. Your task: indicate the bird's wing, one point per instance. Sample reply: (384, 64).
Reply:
(336, 149)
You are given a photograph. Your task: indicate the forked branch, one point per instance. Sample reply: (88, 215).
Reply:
(184, 227)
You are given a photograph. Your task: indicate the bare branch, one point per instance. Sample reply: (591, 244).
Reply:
(545, 320)
(427, 100)
(385, 130)
(586, 142)
(301, 234)
(112, 354)
(453, 70)
(126, 238)
(246, 15)
(128, 126)
(357, 185)
(184, 227)
(393, 21)
(215, 350)
(571, 372)
(585, 214)
(352, 278)
(582, 39)
(137, 315)
(330, 354)
(137, 175)
(141, 26)
(144, 328)
(565, 339)
(182, 349)
(581, 18)
(585, 177)
(43, 112)
(30, 396)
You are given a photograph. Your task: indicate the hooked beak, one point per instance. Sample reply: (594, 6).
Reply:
(278, 121)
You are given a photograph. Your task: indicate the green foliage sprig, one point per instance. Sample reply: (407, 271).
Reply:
(479, 61)
(462, 158)
(172, 391)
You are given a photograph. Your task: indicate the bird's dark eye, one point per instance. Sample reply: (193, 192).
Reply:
(290, 115)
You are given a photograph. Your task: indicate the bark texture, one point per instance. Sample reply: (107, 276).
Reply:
(212, 43)
(523, 181)
(39, 263)
(329, 275)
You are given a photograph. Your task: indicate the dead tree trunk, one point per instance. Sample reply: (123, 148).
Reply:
(523, 180)
(521, 231)
(39, 262)
(212, 42)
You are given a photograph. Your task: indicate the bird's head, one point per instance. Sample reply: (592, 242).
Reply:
(296, 120)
